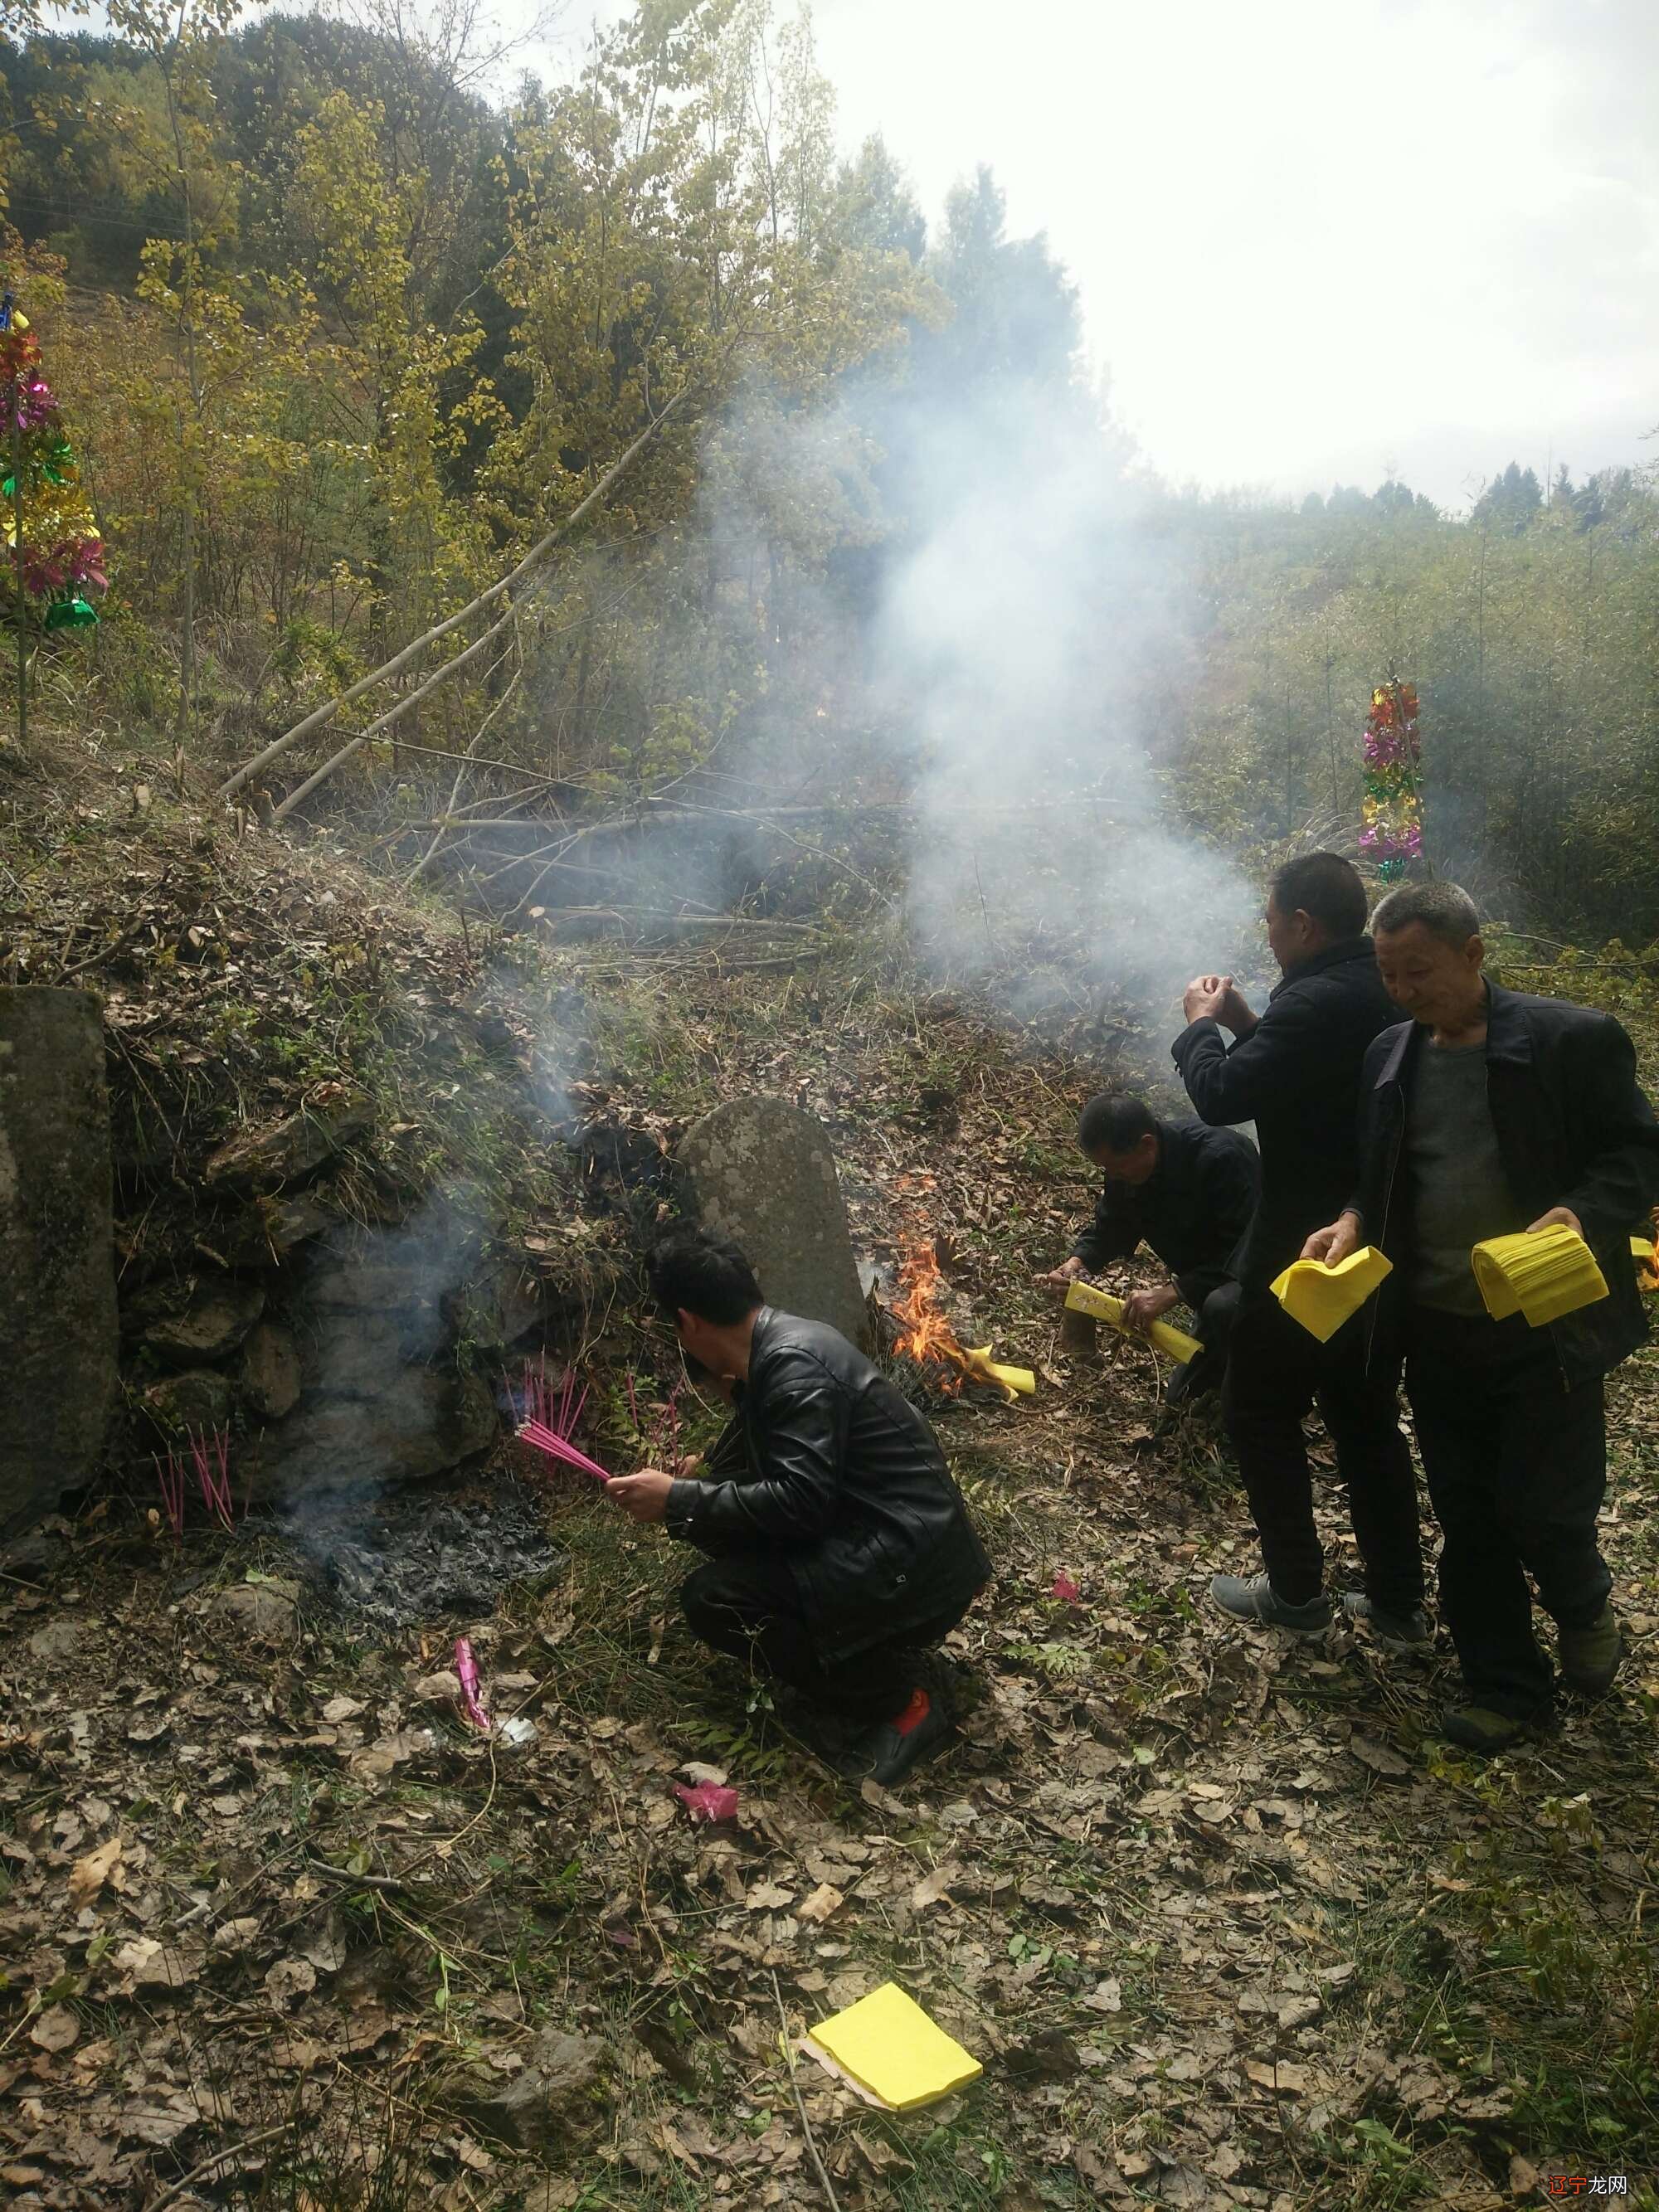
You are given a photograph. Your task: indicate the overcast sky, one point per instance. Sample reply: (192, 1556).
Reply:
(1314, 239)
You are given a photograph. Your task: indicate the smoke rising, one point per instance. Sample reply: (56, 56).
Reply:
(1035, 627)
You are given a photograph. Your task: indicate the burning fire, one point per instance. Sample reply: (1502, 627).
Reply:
(928, 1338)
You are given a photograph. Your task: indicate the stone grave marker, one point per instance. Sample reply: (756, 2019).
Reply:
(761, 1171)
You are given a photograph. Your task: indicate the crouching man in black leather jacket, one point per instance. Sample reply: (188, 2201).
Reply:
(839, 1547)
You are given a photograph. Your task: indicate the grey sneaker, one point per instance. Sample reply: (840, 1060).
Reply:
(1395, 1631)
(1253, 1598)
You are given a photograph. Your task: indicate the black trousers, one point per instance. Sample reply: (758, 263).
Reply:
(1276, 1374)
(1216, 1314)
(1516, 1466)
(745, 1604)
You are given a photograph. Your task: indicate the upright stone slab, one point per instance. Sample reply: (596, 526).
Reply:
(761, 1171)
(58, 1334)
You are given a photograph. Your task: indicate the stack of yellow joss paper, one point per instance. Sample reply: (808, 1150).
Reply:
(1540, 1273)
(1101, 1305)
(1321, 1298)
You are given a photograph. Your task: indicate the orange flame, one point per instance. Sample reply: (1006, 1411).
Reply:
(928, 1338)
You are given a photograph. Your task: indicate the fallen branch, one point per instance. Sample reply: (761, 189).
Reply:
(688, 923)
(388, 669)
(404, 705)
(381, 1881)
(439, 833)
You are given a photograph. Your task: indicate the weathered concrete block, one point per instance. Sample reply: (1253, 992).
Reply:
(58, 1334)
(762, 1172)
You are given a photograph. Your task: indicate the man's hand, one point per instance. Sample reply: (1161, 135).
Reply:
(1142, 1308)
(642, 1497)
(1205, 997)
(1558, 1217)
(1060, 1279)
(1335, 1242)
(1236, 1013)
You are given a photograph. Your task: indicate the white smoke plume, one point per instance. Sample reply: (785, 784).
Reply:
(1037, 632)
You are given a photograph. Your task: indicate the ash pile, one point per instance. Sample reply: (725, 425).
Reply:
(400, 1557)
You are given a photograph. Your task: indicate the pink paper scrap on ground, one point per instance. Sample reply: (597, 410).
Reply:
(466, 1671)
(707, 1800)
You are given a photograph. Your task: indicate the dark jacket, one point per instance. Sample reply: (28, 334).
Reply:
(1573, 1129)
(1193, 1209)
(1296, 1077)
(825, 1462)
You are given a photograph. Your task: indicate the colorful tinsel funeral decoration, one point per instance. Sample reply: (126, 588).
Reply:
(1392, 811)
(56, 563)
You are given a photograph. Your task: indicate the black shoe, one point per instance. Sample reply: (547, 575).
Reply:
(886, 1752)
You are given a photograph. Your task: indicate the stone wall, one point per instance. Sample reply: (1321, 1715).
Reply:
(59, 1338)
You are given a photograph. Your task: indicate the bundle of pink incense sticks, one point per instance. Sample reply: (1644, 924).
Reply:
(548, 1441)
(550, 1420)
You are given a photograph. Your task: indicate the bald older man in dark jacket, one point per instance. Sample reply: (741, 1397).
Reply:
(1489, 1112)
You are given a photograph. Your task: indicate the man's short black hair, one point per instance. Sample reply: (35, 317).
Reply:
(704, 1274)
(1326, 887)
(1114, 1122)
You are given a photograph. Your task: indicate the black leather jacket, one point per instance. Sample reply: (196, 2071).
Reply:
(1296, 1077)
(825, 1462)
(1573, 1129)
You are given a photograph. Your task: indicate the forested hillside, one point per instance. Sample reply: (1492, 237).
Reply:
(339, 337)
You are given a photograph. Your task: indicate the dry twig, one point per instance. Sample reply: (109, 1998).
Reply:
(819, 2168)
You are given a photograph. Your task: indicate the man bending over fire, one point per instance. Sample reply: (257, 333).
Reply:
(1188, 1192)
(1487, 1112)
(839, 1547)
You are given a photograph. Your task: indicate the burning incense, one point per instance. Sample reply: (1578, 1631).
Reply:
(171, 1480)
(211, 1457)
(548, 1442)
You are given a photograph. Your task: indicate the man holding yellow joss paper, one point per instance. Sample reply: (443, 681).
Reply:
(1488, 1113)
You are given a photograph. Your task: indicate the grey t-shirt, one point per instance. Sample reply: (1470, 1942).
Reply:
(1459, 1193)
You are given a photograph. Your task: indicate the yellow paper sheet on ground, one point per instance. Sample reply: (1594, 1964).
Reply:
(1015, 1381)
(888, 2047)
(1174, 1343)
(1540, 1272)
(1321, 1298)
